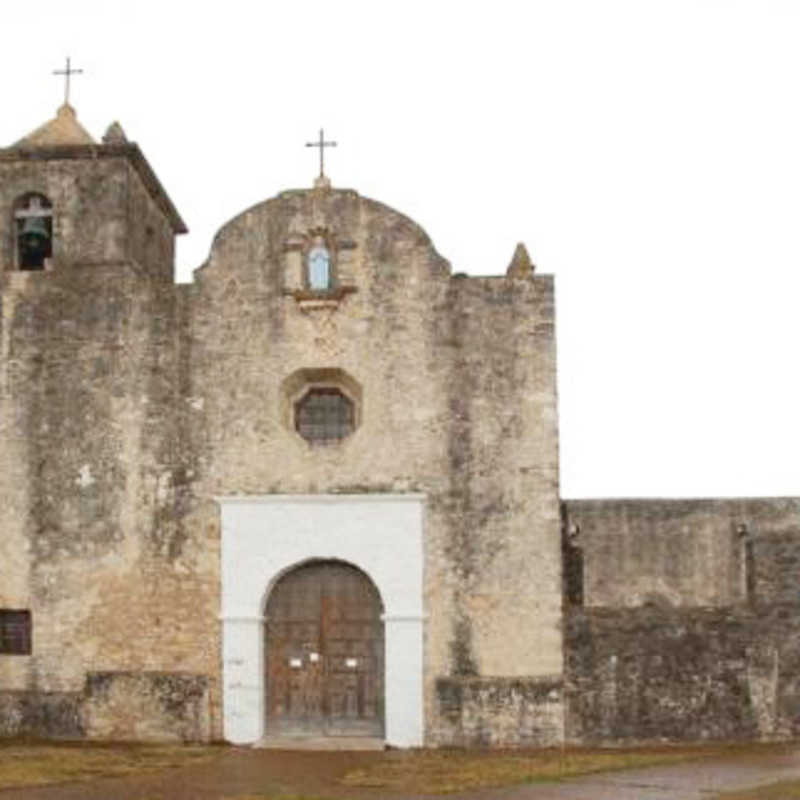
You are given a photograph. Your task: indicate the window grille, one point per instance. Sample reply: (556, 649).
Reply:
(15, 632)
(324, 415)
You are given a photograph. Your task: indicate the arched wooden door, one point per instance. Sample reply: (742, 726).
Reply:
(324, 653)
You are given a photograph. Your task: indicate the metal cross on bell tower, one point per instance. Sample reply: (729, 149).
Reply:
(322, 144)
(68, 72)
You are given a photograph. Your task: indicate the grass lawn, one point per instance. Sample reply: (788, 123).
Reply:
(25, 764)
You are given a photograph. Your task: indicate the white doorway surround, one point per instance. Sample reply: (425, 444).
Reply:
(264, 537)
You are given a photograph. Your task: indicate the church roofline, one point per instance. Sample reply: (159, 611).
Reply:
(464, 276)
(129, 150)
(699, 500)
(64, 128)
(288, 194)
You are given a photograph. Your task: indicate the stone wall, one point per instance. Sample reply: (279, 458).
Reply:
(90, 209)
(690, 622)
(150, 241)
(773, 527)
(147, 706)
(492, 712)
(660, 674)
(92, 471)
(41, 715)
(686, 552)
(120, 706)
(93, 485)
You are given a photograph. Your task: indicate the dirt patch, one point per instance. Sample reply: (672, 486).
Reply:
(272, 797)
(230, 773)
(447, 771)
(785, 790)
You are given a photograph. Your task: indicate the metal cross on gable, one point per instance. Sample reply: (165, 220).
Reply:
(322, 144)
(67, 73)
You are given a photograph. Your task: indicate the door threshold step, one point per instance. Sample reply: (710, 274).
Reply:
(320, 743)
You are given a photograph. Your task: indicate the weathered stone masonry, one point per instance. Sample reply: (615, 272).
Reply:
(130, 406)
(675, 640)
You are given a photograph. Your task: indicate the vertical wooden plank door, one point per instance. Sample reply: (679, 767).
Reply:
(324, 653)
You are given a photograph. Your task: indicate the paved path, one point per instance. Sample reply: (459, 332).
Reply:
(239, 772)
(672, 782)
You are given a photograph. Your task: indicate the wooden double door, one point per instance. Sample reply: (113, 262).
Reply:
(324, 653)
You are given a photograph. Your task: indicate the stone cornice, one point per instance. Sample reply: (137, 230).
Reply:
(129, 151)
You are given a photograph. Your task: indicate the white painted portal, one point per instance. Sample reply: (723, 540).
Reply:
(263, 537)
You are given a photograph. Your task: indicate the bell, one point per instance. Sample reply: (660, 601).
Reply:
(34, 227)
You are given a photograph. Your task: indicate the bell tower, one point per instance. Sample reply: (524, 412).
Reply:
(68, 201)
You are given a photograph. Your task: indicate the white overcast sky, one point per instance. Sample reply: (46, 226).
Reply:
(648, 154)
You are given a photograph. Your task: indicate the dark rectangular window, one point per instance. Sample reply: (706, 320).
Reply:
(573, 575)
(750, 570)
(15, 632)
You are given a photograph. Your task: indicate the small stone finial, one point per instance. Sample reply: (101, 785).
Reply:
(65, 111)
(114, 134)
(521, 265)
(322, 182)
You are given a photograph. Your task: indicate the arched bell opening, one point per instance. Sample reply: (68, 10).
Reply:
(33, 231)
(324, 653)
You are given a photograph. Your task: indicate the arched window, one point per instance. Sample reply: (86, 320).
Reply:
(33, 231)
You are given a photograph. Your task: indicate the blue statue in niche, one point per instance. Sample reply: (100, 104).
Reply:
(319, 268)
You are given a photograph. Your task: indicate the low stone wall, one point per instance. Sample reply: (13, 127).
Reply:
(41, 715)
(656, 674)
(114, 706)
(499, 712)
(147, 706)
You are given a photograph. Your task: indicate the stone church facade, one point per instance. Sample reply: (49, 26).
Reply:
(315, 493)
